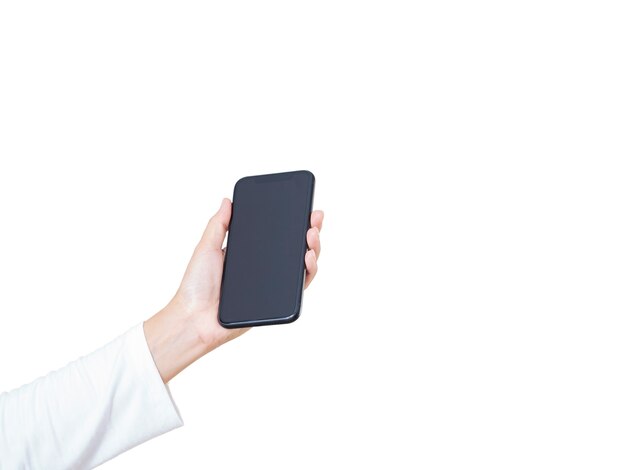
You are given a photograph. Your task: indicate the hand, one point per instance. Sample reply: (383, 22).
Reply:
(187, 328)
(199, 292)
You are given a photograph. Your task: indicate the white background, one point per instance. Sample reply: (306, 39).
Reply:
(469, 311)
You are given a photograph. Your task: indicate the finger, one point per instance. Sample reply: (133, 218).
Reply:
(215, 231)
(313, 240)
(311, 267)
(317, 218)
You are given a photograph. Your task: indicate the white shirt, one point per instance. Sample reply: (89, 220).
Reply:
(89, 411)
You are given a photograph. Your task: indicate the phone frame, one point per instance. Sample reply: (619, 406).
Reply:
(298, 304)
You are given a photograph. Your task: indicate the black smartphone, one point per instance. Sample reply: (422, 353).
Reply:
(264, 269)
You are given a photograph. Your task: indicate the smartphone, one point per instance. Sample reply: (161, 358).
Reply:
(264, 269)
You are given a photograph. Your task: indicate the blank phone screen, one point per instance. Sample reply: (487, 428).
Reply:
(264, 265)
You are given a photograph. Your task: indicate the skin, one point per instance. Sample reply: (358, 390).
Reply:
(187, 328)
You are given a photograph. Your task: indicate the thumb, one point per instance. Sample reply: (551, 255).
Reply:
(215, 231)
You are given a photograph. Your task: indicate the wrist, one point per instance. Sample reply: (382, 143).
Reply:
(176, 339)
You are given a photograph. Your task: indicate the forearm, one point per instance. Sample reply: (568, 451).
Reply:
(89, 411)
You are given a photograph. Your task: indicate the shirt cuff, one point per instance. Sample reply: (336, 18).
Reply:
(142, 405)
(165, 413)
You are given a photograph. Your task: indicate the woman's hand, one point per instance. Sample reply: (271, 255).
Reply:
(187, 328)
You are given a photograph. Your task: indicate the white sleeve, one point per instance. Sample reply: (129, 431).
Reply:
(89, 411)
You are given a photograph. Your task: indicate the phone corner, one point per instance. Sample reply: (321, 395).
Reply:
(240, 181)
(224, 324)
(309, 174)
(297, 312)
